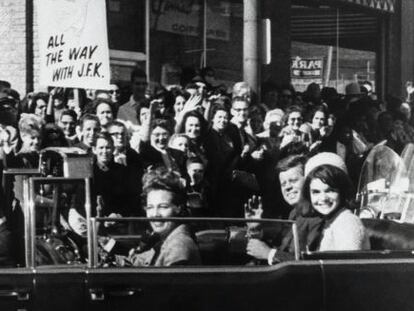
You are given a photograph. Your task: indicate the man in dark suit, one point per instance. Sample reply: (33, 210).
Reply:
(128, 157)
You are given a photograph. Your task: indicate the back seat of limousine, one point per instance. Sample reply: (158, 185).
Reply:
(389, 235)
(389, 239)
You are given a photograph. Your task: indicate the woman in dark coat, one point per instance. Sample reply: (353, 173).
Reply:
(223, 149)
(153, 146)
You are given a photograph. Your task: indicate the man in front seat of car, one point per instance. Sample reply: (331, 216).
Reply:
(165, 197)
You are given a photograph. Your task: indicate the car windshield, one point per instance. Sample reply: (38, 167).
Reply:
(382, 184)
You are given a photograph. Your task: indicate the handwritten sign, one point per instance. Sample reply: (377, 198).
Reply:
(73, 43)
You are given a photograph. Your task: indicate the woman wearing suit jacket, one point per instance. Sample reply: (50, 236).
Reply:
(165, 196)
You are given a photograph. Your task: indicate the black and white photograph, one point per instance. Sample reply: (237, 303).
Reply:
(206, 155)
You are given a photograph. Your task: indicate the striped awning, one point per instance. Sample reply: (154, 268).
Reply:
(383, 5)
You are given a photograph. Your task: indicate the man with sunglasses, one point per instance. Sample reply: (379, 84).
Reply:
(115, 93)
(128, 111)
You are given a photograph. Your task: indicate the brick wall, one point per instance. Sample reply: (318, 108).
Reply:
(36, 59)
(13, 43)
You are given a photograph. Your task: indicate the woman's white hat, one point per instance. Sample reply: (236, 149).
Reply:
(325, 158)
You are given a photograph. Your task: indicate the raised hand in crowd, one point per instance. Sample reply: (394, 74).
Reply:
(288, 138)
(50, 104)
(258, 154)
(410, 90)
(146, 123)
(194, 103)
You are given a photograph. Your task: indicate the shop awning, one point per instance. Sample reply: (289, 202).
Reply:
(383, 5)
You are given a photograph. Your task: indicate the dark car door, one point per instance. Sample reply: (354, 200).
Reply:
(229, 282)
(59, 288)
(16, 289)
(292, 286)
(375, 284)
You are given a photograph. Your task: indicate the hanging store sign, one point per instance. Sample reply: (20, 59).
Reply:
(73, 43)
(184, 17)
(305, 71)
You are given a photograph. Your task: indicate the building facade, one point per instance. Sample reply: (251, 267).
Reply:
(351, 39)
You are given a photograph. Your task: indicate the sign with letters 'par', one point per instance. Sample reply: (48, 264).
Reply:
(73, 43)
(305, 71)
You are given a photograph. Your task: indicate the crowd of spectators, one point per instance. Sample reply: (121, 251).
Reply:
(225, 147)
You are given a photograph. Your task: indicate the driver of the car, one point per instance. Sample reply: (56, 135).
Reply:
(164, 193)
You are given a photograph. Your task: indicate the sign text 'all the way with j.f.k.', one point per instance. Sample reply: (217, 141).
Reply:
(73, 43)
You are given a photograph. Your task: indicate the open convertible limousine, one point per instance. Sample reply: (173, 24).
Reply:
(56, 272)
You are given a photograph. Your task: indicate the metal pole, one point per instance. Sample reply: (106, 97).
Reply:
(30, 213)
(296, 241)
(337, 47)
(147, 38)
(328, 65)
(382, 61)
(93, 259)
(26, 212)
(89, 232)
(251, 60)
(205, 34)
(29, 46)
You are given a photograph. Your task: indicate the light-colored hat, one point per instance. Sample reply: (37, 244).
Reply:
(271, 116)
(325, 158)
(275, 112)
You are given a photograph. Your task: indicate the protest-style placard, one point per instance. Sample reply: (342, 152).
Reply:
(73, 43)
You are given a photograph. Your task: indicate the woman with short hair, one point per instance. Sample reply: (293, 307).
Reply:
(223, 149)
(165, 196)
(194, 127)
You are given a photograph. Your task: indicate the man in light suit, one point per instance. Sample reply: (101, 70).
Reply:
(128, 111)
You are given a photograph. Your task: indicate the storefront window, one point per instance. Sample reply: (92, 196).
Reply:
(189, 35)
(126, 37)
(333, 47)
